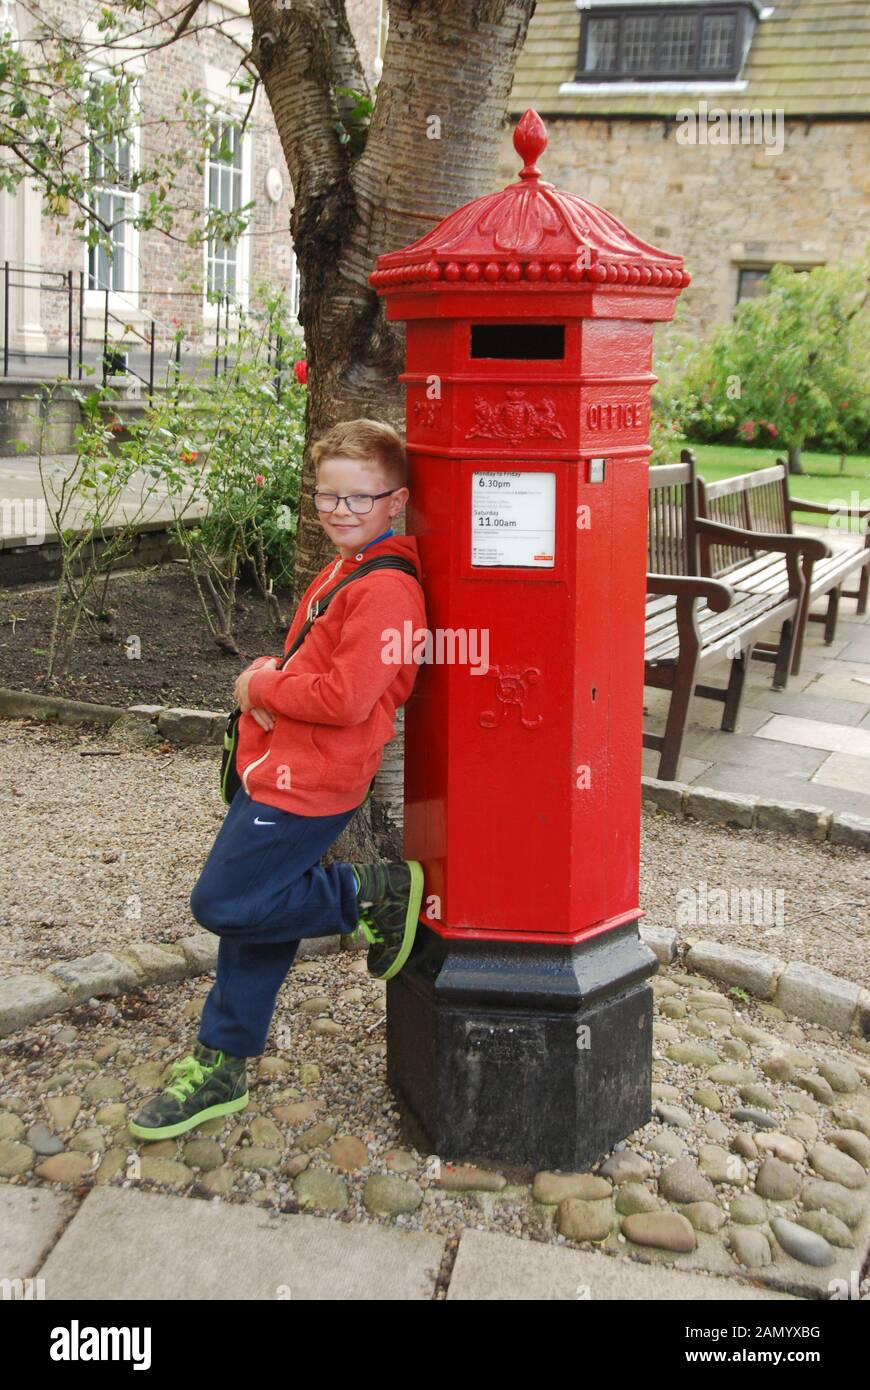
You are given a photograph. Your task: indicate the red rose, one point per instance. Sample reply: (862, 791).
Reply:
(259, 479)
(300, 371)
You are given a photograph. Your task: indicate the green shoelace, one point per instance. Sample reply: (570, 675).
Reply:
(372, 934)
(187, 1074)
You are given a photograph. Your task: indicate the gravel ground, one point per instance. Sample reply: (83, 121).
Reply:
(817, 907)
(105, 851)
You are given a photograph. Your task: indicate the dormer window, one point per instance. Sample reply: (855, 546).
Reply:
(652, 42)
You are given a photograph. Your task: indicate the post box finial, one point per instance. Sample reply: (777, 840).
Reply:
(530, 140)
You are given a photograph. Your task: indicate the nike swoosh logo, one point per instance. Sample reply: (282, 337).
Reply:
(257, 821)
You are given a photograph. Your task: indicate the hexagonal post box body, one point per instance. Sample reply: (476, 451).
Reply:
(529, 319)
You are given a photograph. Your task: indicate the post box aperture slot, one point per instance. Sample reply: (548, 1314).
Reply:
(527, 342)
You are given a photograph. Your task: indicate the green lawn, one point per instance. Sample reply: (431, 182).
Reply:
(823, 481)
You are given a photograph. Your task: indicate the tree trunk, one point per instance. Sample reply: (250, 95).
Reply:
(794, 459)
(351, 207)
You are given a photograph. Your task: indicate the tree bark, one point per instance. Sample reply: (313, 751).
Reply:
(447, 59)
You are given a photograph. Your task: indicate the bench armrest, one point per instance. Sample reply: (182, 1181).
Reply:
(797, 504)
(715, 594)
(715, 531)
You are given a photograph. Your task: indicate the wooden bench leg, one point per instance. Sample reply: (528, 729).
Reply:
(734, 692)
(797, 643)
(784, 657)
(831, 615)
(862, 588)
(678, 711)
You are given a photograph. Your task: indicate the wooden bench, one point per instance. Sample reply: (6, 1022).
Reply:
(694, 620)
(760, 502)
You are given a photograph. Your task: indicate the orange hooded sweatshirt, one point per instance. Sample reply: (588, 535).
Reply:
(335, 701)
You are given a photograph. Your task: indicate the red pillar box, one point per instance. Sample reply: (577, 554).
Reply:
(520, 1029)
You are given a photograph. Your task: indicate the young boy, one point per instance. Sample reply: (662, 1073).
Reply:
(311, 738)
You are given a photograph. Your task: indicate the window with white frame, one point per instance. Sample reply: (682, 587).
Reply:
(224, 271)
(112, 261)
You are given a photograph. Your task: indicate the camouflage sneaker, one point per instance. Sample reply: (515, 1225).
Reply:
(389, 897)
(203, 1085)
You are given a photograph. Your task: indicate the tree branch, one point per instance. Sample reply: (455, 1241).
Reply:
(186, 18)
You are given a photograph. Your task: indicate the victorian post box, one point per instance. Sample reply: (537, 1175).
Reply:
(520, 1028)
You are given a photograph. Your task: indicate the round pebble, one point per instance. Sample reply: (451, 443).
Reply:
(750, 1246)
(801, 1243)
(668, 1230)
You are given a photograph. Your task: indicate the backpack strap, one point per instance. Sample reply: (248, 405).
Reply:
(381, 562)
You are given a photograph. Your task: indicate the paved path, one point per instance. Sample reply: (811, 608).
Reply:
(809, 743)
(25, 519)
(120, 1243)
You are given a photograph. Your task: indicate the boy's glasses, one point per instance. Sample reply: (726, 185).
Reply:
(359, 502)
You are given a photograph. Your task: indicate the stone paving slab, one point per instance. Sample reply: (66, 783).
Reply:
(858, 650)
(841, 688)
(808, 743)
(845, 771)
(781, 757)
(127, 1244)
(691, 769)
(837, 710)
(816, 733)
(759, 678)
(494, 1266)
(778, 786)
(706, 717)
(31, 1219)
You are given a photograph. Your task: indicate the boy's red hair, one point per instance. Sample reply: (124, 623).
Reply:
(370, 441)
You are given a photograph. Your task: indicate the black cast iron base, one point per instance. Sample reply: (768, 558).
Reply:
(524, 1055)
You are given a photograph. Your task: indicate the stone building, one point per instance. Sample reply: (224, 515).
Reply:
(732, 132)
(55, 283)
(736, 133)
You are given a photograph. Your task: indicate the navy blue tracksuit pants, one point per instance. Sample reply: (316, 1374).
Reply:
(262, 890)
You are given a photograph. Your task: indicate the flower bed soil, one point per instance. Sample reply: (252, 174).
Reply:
(180, 662)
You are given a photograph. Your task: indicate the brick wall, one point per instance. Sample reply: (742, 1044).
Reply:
(171, 274)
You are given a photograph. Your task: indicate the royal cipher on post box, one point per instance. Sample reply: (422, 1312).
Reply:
(529, 318)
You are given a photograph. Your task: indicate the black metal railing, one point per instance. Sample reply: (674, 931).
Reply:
(113, 348)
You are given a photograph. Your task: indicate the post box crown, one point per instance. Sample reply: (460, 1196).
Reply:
(529, 232)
